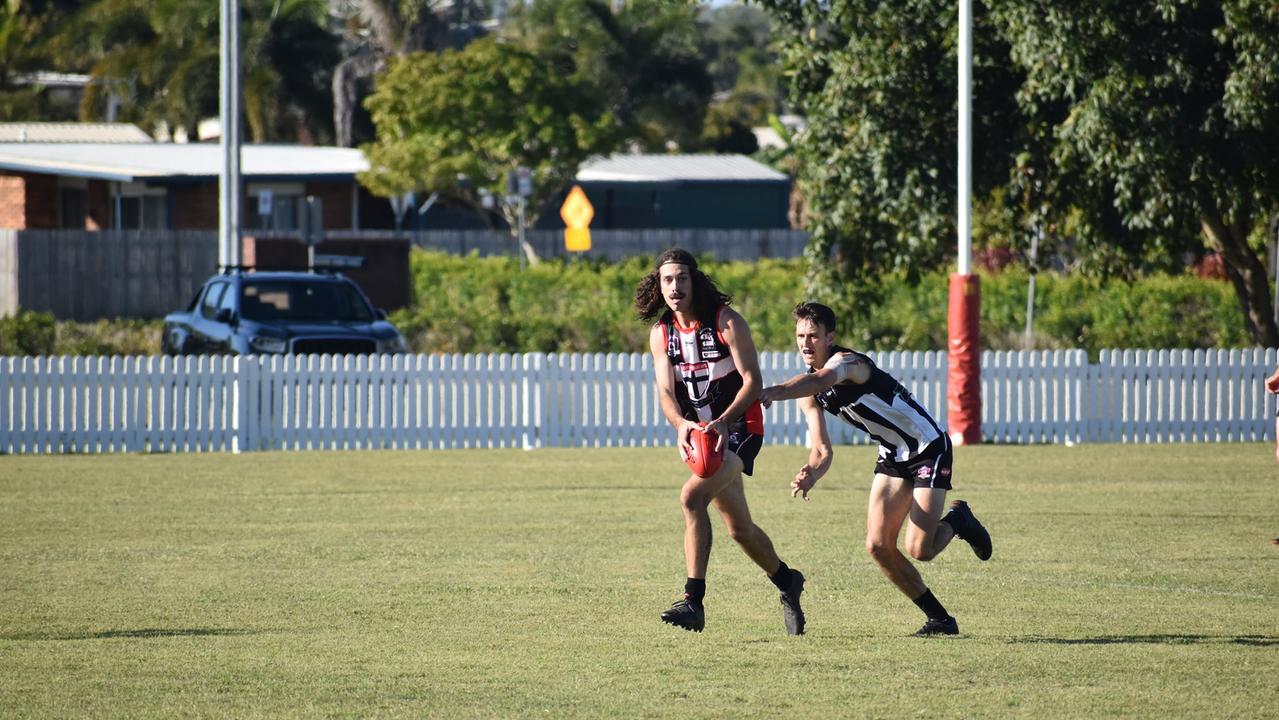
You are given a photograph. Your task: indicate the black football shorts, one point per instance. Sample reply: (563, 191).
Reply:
(929, 469)
(744, 445)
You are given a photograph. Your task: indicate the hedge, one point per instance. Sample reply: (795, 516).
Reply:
(477, 304)
(474, 304)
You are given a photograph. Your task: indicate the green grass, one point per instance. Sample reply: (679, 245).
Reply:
(1127, 581)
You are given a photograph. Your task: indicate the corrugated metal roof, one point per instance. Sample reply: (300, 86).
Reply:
(665, 168)
(127, 162)
(55, 132)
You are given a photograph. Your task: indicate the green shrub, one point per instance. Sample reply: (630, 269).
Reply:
(474, 304)
(28, 333)
(33, 333)
(478, 304)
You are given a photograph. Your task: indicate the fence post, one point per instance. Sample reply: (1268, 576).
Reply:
(240, 403)
(534, 367)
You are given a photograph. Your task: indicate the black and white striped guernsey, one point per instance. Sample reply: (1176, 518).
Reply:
(882, 407)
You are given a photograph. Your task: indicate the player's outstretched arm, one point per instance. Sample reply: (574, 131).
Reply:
(841, 368)
(821, 454)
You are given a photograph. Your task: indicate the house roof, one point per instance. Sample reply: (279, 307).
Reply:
(666, 168)
(126, 162)
(60, 132)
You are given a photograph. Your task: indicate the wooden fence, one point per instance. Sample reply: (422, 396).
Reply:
(83, 275)
(615, 245)
(161, 404)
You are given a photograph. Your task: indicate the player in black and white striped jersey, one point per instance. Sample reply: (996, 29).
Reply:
(912, 474)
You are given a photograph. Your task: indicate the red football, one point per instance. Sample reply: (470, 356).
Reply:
(705, 460)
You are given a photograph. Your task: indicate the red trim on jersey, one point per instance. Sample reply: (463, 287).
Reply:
(755, 419)
(697, 324)
(718, 333)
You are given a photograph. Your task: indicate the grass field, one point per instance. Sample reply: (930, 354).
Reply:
(1127, 581)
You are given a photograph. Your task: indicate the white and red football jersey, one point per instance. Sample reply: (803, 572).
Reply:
(707, 381)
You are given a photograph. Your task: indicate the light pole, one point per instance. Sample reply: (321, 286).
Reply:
(229, 117)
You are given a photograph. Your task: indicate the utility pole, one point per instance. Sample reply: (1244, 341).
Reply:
(229, 196)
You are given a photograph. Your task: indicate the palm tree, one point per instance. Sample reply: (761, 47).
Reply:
(378, 30)
(25, 31)
(161, 57)
(643, 56)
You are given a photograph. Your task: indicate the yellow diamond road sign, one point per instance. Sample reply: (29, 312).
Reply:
(577, 214)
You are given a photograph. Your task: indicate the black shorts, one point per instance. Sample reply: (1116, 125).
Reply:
(745, 446)
(929, 469)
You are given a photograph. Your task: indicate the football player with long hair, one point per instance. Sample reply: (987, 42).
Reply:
(707, 371)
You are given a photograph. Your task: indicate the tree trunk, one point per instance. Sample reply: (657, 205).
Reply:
(348, 78)
(1248, 275)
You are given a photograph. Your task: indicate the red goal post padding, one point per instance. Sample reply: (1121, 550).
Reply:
(963, 371)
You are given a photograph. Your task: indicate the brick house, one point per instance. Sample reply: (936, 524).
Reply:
(107, 185)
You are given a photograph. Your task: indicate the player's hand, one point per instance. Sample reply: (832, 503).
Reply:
(767, 396)
(804, 481)
(720, 428)
(685, 445)
(1272, 383)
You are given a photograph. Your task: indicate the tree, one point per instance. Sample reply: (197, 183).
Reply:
(25, 32)
(1139, 124)
(1164, 118)
(375, 31)
(161, 58)
(876, 161)
(458, 121)
(641, 59)
(741, 55)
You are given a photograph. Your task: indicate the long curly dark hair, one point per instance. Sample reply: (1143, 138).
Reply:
(707, 298)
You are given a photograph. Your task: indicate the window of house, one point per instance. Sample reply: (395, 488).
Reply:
(73, 207)
(275, 206)
(142, 208)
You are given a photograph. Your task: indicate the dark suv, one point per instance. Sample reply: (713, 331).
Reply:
(260, 313)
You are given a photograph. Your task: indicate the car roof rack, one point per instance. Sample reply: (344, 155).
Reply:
(324, 265)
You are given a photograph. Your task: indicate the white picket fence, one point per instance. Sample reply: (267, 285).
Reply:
(161, 404)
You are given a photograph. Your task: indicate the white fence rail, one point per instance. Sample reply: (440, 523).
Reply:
(160, 404)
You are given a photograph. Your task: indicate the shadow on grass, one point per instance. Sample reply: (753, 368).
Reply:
(140, 633)
(1170, 639)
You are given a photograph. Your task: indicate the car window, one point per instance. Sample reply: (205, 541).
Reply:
(314, 300)
(228, 301)
(209, 307)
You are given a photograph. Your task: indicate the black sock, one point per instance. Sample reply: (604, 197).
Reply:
(695, 589)
(931, 606)
(782, 577)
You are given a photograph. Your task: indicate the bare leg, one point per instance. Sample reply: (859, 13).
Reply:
(731, 503)
(891, 501)
(926, 535)
(695, 497)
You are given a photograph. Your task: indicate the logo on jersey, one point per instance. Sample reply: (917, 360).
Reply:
(923, 473)
(709, 345)
(697, 380)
